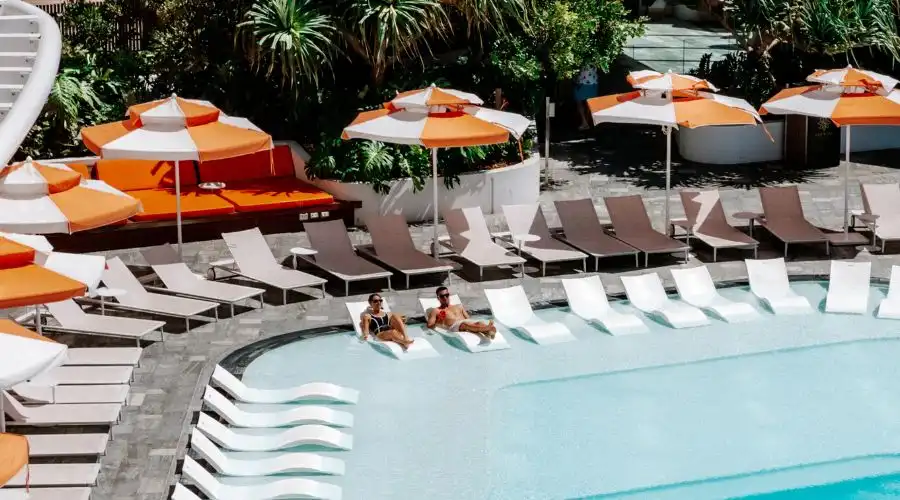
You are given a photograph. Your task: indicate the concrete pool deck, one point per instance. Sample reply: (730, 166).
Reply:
(146, 443)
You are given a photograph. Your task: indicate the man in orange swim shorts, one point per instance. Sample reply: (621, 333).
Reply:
(456, 319)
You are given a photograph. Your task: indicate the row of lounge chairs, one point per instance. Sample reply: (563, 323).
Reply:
(848, 293)
(239, 449)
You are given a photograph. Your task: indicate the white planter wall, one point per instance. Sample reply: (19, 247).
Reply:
(871, 138)
(488, 189)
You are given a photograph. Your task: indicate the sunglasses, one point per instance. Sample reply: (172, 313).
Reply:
(443, 295)
(377, 301)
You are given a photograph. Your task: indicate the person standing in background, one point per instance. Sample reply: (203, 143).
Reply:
(585, 88)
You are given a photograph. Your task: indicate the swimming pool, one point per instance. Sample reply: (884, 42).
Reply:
(712, 412)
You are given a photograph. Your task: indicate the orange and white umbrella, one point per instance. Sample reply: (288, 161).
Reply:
(13, 456)
(845, 105)
(24, 355)
(853, 77)
(654, 80)
(176, 129)
(703, 109)
(42, 198)
(436, 118)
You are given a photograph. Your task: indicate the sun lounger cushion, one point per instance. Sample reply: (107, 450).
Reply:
(133, 175)
(159, 204)
(273, 194)
(255, 166)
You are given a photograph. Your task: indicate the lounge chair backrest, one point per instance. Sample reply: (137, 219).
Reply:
(182, 493)
(466, 225)
(168, 267)
(207, 450)
(894, 286)
(703, 210)
(331, 241)
(694, 284)
(226, 379)
(645, 291)
(628, 215)
(510, 306)
(117, 275)
(213, 428)
(13, 407)
(357, 309)
(527, 219)
(218, 402)
(428, 303)
(390, 235)
(160, 254)
(782, 202)
(87, 269)
(578, 217)
(200, 477)
(881, 199)
(250, 251)
(768, 277)
(586, 296)
(67, 312)
(850, 275)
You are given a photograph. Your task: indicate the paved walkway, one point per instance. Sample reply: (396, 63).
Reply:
(678, 45)
(143, 451)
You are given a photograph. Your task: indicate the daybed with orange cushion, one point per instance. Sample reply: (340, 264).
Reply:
(153, 183)
(256, 183)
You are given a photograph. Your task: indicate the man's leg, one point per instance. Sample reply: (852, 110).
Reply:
(479, 328)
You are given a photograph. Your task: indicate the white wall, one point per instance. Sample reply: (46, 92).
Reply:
(871, 138)
(730, 145)
(488, 189)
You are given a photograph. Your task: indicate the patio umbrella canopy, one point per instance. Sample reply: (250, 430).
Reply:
(176, 129)
(436, 118)
(43, 198)
(654, 80)
(671, 108)
(847, 97)
(13, 455)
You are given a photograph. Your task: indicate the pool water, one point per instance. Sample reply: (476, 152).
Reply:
(779, 408)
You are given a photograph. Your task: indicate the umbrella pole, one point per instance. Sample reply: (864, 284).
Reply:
(434, 243)
(2, 416)
(178, 204)
(847, 183)
(668, 132)
(37, 324)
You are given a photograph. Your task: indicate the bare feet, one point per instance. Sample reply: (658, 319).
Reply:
(406, 345)
(492, 330)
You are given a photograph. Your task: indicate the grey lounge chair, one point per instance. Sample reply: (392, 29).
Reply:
(65, 394)
(72, 319)
(81, 493)
(136, 298)
(59, 414)
(254, 261)
(393, 247)
(784, 218)
(67, 445)
(180, 280)
(528, 219)
(36, 475)
(582, 230)
(632, 225)
(883, 201)
(471, 240)
(708, 223)
(336, 255)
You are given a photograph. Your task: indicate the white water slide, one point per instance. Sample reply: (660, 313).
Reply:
(30, 45)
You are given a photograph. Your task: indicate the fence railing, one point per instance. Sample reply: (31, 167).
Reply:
(688, 51)
(131, 32)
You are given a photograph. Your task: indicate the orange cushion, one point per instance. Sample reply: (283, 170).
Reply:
(81, 168)
(274, 194)
(249, 167)
(129, 175)
(159, 204)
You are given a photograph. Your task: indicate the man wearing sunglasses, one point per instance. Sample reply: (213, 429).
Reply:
(455, 318)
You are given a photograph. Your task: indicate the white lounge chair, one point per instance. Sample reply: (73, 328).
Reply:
(769, 282)
(646, 292)
(313, 391)
(267, 464)
(528, 220)
(59, 414)
(695, 286)
(103, 356)
(472, 241)
(470, 341)
(510, 307)
(72, 319)
(239, 417)
(56, 475)
(180, 280)
(237, 439)
(419, 349)
(182, 493)
(889, 308)
(883, 201)
(67, 445)
(587, 300)
(85, 375)
(72, 394)
(83, 493)
(254, 261)
(279, 488)
(136, 298)
(848, 287)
